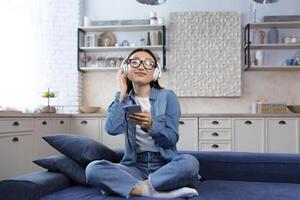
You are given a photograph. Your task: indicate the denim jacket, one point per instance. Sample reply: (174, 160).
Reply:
(165, 113)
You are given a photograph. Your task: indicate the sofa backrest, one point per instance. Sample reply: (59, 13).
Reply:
(265, 167)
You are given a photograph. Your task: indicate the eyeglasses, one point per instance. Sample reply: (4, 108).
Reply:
(135, 63)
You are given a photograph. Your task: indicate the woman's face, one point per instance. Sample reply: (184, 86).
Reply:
(141, 66)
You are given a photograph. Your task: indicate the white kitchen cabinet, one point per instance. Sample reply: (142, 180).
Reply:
(44, 127)
(188, 134)
(13, 125)
(215, 134)
(61, 125)
(16, 146)
(282, 135)
(215, 145)
(214, 123)
(249, 134)
(15, 154)
(111, 141)
(88, 127)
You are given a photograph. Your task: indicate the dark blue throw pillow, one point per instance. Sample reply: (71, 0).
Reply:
(81, 149)
(64, 165)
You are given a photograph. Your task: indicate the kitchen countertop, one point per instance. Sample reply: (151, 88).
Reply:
(58, 115)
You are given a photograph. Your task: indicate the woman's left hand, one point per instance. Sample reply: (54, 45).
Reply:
(143, 119)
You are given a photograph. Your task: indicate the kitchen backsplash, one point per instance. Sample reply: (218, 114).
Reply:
(99, 89)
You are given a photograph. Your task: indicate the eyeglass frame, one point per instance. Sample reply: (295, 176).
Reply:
(142, 61)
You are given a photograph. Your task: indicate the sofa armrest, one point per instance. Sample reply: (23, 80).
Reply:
(244, 166)
(33, 185)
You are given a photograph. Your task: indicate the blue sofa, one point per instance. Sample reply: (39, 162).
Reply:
(225, 176)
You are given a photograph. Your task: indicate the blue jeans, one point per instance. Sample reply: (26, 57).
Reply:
(120, 179)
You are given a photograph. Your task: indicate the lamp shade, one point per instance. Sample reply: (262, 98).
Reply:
(265, 1)
(152, 2)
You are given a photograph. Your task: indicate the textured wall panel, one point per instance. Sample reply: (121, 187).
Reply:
(205, 54)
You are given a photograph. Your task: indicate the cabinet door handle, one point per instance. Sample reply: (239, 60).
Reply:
(15, 139)
(215, 146)
(215, 134)
(61, 122)
(281, 122)
(16, 123)
(248, 122)
(181, 122)
(215, 122)
(83, 122)
(44, 123)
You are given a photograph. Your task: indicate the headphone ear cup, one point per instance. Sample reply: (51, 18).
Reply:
(125, 69)
(124, 66)
(157, 73)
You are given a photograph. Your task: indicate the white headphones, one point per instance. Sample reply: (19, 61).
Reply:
(156, 73)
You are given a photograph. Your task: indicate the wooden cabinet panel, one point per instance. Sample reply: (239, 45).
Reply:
(16, 125)
(215, 134)
(214, 145)
(282, 135)
(16, 154)
(214, 123)
(249, 134)
(88, 127)
(188, 134)
(112, 141)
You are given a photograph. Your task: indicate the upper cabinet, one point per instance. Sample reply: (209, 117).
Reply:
(262, 42)
(103, 47)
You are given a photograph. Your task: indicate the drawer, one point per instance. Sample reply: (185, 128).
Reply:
(16, 125)
(61, 125)
(215, 123)
(215, 134)
(214, 145)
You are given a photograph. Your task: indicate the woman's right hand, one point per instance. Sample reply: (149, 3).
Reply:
(122, 84)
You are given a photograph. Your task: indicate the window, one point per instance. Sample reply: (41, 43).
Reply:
(21, 71)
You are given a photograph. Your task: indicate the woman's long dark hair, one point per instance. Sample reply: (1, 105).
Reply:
(154, 84)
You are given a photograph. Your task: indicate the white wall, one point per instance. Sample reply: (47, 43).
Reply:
(131, 9)
(61, 19)
(99, 87)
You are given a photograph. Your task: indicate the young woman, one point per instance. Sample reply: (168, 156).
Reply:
(151, 165)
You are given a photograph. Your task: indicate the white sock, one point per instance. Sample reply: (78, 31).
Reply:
(182, 192)
(149, 191)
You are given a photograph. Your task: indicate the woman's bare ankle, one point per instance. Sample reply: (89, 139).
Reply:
(137, 191)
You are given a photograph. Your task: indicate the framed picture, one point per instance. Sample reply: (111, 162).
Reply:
(90, 40)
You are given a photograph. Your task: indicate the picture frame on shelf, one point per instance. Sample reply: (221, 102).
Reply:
(90, 40)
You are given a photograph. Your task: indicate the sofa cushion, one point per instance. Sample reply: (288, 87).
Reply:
(243, 190)
(90, 193)
(63, 164)
(32, 186)
(208, 190)
(81, 149)
(243, 166)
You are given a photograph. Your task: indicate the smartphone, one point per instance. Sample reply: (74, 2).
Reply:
(132, 109)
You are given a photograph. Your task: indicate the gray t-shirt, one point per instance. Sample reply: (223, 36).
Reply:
(143, 140)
